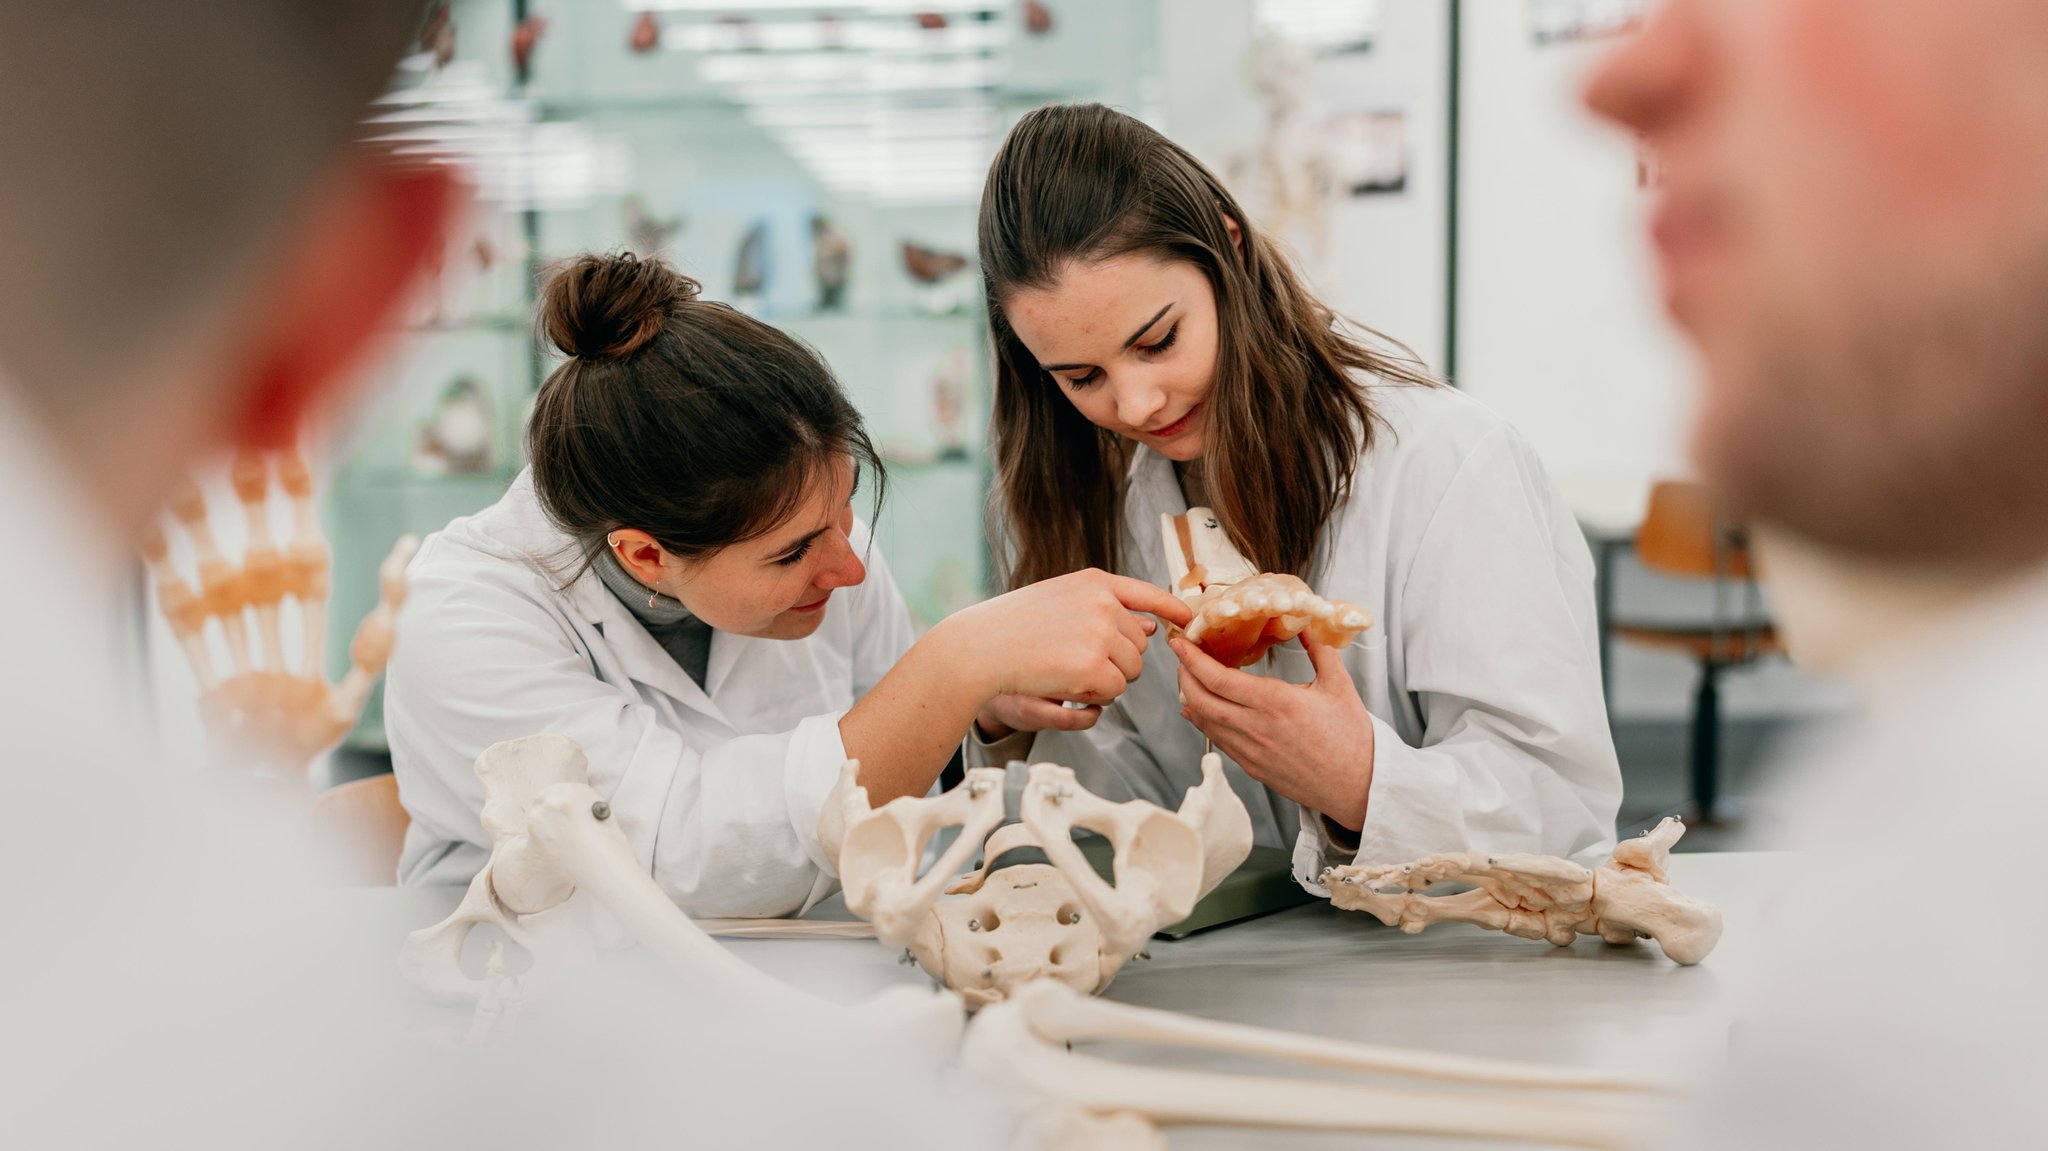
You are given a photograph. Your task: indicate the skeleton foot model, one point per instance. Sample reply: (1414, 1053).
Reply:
(1241, 613)
(267, 712)
(1541, 896)
(1055, 920)
(1084, 1100)
(553, 836)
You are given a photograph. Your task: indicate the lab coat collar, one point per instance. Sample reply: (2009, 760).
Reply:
(1150, 491)
(518, 528)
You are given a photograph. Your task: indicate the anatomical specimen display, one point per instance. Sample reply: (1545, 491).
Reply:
(268, 712)
(1541, 896)
(1240, 612)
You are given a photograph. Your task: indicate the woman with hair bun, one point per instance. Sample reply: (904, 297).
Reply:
(679, 583)
(1156, 352)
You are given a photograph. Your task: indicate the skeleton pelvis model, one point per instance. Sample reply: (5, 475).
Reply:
(1240, 612)
(1005, 927)
(1541, 896)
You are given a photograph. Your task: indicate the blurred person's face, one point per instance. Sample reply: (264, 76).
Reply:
(1854, 232)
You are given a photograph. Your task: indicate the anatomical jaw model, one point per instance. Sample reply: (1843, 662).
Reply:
(266, 712)
(1541, 896)
(1005, 927)
(1240, 612)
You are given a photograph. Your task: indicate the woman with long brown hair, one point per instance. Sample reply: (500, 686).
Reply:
(1155, 351)
(680, 584)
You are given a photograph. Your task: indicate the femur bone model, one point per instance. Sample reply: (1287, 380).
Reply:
(1010, 925)
(1241, 612)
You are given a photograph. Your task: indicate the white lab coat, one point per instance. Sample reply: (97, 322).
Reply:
(1481, 671)
(718, 787)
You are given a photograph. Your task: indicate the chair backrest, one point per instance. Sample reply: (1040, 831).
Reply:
(364, 824)
(1682, 536)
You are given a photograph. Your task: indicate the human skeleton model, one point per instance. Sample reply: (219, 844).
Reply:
(1240, 612)
(265, 711)
(1541, 896)
(553, 837)
(1030, 921)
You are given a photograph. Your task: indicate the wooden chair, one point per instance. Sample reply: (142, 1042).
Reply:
(1682, 537)
(365, 821)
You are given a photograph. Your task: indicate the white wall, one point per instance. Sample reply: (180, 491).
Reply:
(1559, 328)
(1561, 331)
(1384, 266)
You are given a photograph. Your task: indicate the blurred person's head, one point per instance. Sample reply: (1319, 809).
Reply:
(1854, 231)
(1133, 302)
(193, 255)
(715, 456)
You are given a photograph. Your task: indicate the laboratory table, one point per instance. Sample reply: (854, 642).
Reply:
(1322, 971)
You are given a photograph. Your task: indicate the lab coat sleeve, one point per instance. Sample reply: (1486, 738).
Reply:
(1502, 660)
(726, 831)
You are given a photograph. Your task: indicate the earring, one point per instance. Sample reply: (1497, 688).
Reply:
(651, 597)
(612, 540)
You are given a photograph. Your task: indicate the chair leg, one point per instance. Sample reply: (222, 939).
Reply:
(1706, 743)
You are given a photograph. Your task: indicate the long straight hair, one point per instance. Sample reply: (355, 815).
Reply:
(1287, 419)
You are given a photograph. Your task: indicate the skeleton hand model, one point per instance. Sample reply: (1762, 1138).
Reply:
(1241, 613)
(552, 836)
(1055, 920)
(1541, 896)
(268, 712)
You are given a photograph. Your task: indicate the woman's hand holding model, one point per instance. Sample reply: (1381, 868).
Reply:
(1312, 743)
(1069, 638)
(1017, 655)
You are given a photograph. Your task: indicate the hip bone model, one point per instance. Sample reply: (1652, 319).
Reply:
(1059, 920)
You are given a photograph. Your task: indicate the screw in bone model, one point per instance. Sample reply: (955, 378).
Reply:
(974, 925)
(1072, 919)
(976, 789)
(907, 959)
(601, 810)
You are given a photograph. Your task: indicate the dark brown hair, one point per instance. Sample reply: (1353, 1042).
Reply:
(681, 417)
(1287, 420)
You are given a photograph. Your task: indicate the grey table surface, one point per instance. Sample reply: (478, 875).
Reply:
(1322, 971)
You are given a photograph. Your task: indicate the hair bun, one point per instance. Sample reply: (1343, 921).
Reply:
(609, 306)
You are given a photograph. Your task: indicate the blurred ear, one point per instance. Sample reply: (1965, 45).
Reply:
(353, 257)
